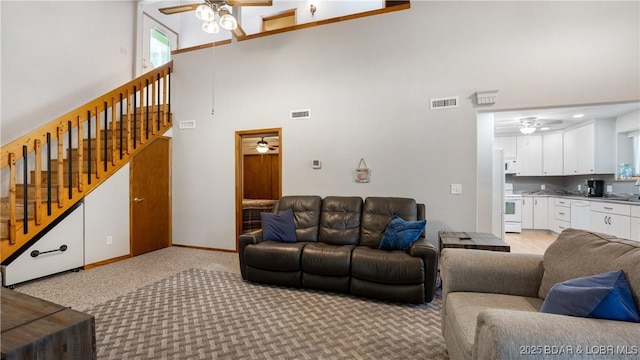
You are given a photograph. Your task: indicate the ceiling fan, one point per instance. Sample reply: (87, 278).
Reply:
(209, 9)
(263, 146)
(529, 124)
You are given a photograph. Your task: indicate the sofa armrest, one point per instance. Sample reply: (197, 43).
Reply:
(490, 272)
(423, 249)
(511, 334)
(245, 239)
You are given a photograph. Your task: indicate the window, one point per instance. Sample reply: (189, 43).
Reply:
(160, 48)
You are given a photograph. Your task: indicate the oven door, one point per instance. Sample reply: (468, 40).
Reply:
(513, 209)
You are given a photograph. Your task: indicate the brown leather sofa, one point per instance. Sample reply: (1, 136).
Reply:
(337, 250)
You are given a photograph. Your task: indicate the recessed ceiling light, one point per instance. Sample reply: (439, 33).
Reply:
(578, 116)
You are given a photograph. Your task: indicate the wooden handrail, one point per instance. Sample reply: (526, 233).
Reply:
(91, 143)
(95, 104)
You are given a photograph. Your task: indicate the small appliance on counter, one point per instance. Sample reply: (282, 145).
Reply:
(595, 188)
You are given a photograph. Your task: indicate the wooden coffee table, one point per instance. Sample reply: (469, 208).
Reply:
(472, 240)
(37, 329)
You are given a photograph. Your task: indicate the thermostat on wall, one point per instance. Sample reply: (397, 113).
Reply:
(317, 164)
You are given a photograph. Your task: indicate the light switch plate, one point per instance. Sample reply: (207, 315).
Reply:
(456, 189)
(542, 187)
(609, 188)
(316, 164)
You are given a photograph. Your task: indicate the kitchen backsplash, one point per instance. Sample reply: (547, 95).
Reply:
(568, 183)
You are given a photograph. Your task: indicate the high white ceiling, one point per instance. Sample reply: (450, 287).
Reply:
(508, 122)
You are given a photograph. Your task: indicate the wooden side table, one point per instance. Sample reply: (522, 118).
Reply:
(472, 240)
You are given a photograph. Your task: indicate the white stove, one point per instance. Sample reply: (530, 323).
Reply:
(512, 210)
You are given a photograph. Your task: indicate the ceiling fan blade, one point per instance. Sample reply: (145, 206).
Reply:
(250, 2)
(549, 122)
(178, 9)
(238, 32)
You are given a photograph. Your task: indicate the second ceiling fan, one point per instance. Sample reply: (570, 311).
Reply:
(209, 9)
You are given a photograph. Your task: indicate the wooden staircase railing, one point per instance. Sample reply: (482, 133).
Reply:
(55, 166)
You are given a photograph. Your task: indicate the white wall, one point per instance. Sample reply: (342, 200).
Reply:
(628, 122)
(106, 212)
(368, 83)
(58, 55)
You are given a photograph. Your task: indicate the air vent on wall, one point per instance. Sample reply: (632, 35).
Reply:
(300, 114)
(188, 124)
(444, 103)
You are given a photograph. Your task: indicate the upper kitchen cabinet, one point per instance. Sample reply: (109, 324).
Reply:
(552, 154)
(508, 144)
(589, 149)
(529, 155)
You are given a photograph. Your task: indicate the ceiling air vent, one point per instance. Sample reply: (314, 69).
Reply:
(300, 114)
(444, 103)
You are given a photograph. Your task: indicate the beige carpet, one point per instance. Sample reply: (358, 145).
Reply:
(88, 288)
(180, 303)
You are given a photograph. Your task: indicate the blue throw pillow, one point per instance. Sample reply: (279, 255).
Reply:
(602, 296)
(400, 234)
(278, 227)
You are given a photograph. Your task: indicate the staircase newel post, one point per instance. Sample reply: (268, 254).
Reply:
(38, 182)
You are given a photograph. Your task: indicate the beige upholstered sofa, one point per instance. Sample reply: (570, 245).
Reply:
(492, 301)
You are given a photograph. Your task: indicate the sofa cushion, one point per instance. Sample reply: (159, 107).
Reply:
(278, 227)
(324, 259)
(377, 212)
(462, 309)
(400, 234)
(386, 267)
(340, 220)
(579, 253)
(601, 296)
(275, 256)
(306, 214)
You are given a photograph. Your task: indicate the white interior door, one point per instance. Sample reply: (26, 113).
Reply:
(157, 43)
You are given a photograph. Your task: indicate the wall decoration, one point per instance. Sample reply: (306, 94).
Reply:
(363, 173)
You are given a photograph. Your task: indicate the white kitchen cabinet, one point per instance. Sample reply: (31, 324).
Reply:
(508, 144)
(570, 152)
(635, 222)
(540, 213)
(552, 154)
(529, 156)
(561, 218)
(589, 148)
(527, 212)
(612, 219)
(535, 212)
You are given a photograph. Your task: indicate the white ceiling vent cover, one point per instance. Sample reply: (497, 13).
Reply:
(444, 103)
(300, 114)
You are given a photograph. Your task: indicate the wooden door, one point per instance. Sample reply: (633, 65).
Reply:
(150, 198)
(261, 176)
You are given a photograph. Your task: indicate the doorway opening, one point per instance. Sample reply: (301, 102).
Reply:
(258, 175)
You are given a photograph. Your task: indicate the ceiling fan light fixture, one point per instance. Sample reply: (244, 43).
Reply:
(227, 21)
(210, 27)
(204, 12)
(527, 130)
(262, 146)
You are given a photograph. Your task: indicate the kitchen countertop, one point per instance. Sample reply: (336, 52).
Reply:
(630, 199)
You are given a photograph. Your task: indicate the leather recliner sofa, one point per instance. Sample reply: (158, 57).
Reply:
(337, 249)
